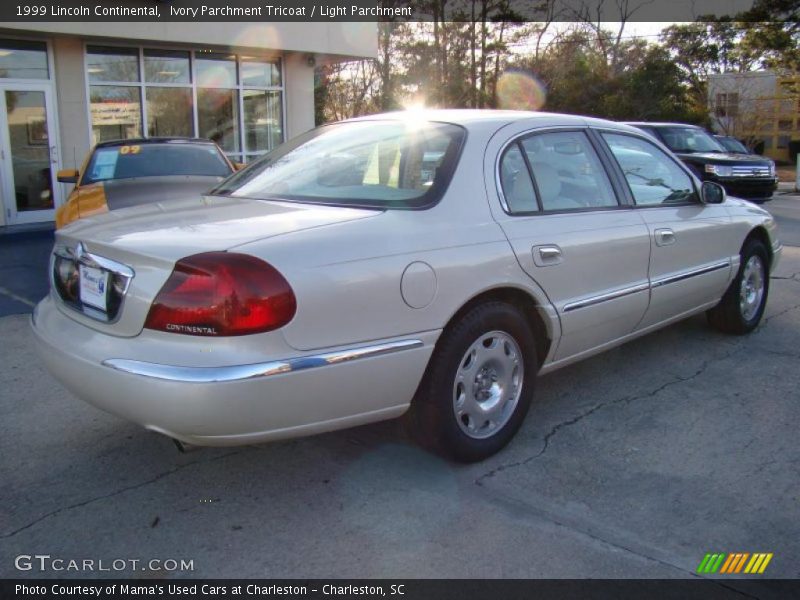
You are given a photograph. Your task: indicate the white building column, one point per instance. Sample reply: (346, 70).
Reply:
(299, 90)
(73, 110)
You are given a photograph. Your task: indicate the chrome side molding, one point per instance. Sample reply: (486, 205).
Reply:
(644, 286)
(692, 273)
(256, 370)
(605, 297)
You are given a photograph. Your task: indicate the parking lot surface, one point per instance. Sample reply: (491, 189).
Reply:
(635, 463)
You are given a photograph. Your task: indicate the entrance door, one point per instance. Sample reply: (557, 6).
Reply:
(28, 153)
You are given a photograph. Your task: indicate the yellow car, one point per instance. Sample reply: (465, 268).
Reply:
(123, 173)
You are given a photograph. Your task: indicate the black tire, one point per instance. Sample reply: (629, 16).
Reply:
(728, 316)
(432, 418)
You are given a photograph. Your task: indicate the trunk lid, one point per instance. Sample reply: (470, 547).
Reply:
(150, 238)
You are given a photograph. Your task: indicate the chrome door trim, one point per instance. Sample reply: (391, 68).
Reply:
(254, 371)
(688, 274)
(605, 297)
(644, 286)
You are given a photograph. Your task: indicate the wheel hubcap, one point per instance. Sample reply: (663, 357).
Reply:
(488, 384)
(752, 289)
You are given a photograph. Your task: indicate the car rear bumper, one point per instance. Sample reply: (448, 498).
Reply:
(234, 404)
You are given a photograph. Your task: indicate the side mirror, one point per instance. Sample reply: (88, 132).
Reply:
(237, 166)
(712, 193)
(68, 176)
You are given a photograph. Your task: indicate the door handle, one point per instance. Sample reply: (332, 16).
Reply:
(544, 256)
(664, 237)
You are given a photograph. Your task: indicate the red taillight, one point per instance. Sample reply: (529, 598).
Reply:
(222, 294)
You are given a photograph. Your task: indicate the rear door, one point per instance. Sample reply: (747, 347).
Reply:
(563, 217)
(691, 257)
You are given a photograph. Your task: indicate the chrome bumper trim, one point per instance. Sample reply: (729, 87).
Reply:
(257, 370)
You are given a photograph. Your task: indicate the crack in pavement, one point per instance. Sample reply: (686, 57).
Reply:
(118, 492)
(624, 400)
(737, 347)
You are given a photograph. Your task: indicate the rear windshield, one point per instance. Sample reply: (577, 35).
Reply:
(689, 139)
(155, 160)
(373, 164)
(733, 145)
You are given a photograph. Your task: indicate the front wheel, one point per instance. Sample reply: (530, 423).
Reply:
(479, 384)
(742, 306)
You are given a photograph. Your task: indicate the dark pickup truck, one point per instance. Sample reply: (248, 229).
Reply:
(747, 176)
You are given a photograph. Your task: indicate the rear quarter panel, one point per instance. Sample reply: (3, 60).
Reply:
(347, 277)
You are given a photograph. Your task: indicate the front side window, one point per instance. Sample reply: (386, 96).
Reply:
(653, 177)
(375, 164)
(155, 160)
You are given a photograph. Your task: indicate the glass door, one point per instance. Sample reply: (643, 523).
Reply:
(28, 153)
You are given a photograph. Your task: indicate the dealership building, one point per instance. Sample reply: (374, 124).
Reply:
(66, 86)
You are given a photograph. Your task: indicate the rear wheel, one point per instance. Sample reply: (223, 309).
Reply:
(479, 384)
(742, 306)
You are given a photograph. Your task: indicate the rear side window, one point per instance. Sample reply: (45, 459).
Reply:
(155, 160)
(653, 177)
(566, 171)
(554, 171)
(516, 182)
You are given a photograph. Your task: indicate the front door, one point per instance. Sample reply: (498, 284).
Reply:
(28, 153)
(690, 262)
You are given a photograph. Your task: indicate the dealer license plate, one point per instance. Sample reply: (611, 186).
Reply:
(94, 285)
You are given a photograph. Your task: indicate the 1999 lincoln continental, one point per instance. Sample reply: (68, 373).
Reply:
(429, 262)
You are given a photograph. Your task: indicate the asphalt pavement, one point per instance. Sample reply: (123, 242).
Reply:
(635, 463)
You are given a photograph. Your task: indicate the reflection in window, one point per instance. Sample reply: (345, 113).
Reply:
(112, 64)
(166, 66)
(218, 117)
(30, 150)
(653, 177)
(116, 112)
(385, 164)
(23, 60)
(169, 111)
(259, 73)
(262, 119)
(215, 69)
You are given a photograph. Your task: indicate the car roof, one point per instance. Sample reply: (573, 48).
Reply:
(153, 140)
(473, 117)
(657, 125)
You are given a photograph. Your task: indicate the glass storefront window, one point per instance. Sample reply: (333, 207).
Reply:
(169, 111)
(23, 60)
(259, 73)
(262, 120)
(216, 69)
(166, 66)
(229, 96)
(218, 117)
(116, 112)
(112, 64)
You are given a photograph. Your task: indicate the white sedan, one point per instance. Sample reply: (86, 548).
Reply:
(428, 262)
